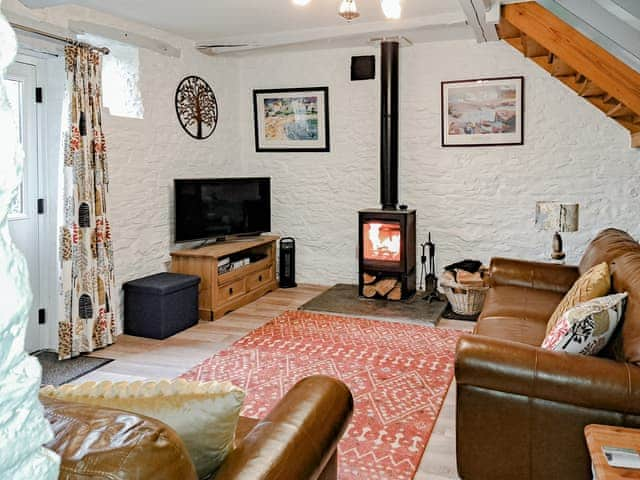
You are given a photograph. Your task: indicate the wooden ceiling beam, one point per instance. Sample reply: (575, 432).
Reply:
(576, 51)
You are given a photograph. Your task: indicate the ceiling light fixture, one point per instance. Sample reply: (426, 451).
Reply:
(349, 10)
(392, 9)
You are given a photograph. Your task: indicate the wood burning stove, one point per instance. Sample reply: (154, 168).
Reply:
(387, 236)
(387, 251)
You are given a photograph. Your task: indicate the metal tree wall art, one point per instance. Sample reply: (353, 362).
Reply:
(196, 107)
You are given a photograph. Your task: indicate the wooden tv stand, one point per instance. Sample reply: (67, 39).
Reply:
(221, 294)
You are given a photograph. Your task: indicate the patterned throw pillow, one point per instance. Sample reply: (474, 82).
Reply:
(586, 328)
(594, 283)
(204, 414)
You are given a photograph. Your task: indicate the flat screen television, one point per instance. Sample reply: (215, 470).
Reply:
(221, 207)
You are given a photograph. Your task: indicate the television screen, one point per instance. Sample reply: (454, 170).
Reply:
(214, 208)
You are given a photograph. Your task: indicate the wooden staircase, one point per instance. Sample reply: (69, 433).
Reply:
(593, 73)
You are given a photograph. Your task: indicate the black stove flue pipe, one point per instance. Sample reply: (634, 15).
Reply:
(389, 125)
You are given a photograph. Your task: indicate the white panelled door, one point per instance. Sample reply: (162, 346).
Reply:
(23, 219)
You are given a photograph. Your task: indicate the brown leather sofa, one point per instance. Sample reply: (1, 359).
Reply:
(521, 410)
(297, 440)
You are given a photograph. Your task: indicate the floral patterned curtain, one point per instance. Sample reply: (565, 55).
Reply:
(88, 319)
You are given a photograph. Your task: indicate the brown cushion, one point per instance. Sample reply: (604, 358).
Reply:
(607, 246)
(522, 302)
(626, 278)
(514, 329)
(595, 283)
(518, 314)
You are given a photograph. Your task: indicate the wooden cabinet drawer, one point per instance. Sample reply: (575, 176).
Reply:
(231, 291)
(258, 279)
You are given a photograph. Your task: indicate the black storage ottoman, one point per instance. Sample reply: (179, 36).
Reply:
(160, 305)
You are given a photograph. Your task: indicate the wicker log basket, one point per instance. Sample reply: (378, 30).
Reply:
(464, 299)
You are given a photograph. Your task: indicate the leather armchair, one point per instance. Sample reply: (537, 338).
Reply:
(521, 410)
(298, 439)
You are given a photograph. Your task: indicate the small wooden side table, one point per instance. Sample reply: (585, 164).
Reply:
(604, 435)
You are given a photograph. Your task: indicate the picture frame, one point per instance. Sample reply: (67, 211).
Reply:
(482, 112)
(292, 120)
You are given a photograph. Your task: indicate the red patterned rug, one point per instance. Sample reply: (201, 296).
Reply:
(399, 375)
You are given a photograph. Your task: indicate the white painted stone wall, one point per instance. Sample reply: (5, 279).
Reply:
(477, 202)
(146, 155)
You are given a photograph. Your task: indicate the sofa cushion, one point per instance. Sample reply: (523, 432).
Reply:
(520, 302)
(626, 278)
(594, 283)
(606, 246)
(518, 314)
(205, 415)
(513, 329)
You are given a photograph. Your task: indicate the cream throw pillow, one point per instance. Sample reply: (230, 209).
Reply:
(587, 328)
(204, 415)
(594, 283)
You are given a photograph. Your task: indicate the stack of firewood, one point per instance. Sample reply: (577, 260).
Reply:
(385, 287)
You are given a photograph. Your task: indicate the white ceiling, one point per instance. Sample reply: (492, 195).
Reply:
(204, 20)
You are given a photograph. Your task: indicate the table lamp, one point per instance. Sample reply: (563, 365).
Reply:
(557, 217)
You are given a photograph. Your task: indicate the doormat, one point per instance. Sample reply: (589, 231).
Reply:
(398, 373)
(344, 299)
(56, 372)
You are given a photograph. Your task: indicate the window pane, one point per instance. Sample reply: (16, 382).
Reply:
(120, 77)
(14, 91)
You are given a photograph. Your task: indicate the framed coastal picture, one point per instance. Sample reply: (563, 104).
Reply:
(292, 120)
(483, 112)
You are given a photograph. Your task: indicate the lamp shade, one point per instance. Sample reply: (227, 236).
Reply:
(348, 10)
(557, 216)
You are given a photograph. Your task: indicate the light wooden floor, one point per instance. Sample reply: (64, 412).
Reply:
(141, 359)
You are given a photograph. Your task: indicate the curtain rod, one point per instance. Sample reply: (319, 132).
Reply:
(59, 38)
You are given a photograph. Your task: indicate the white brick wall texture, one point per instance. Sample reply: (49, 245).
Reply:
(478, 202)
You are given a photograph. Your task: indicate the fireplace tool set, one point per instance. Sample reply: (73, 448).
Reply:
(429, 280)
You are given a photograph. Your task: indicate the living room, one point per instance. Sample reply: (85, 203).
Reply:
(380, 81)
